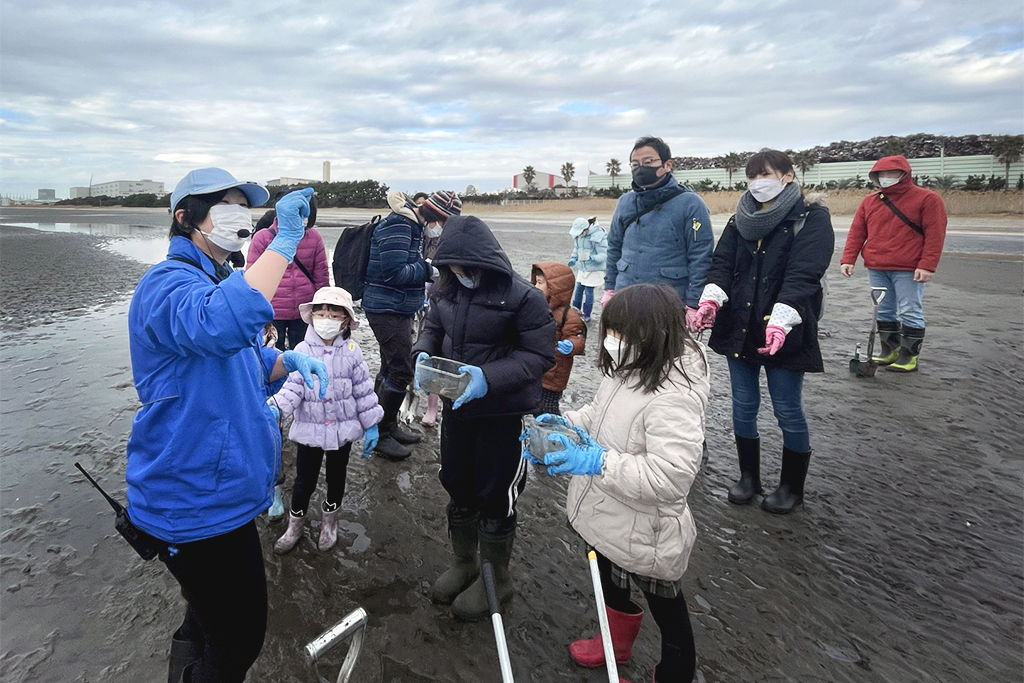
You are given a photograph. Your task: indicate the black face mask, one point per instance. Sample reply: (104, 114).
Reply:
(646, 175)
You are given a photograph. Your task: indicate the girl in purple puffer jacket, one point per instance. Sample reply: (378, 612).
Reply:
(327, 426)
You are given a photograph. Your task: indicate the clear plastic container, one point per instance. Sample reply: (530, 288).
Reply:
(437, 375)
(538, 441)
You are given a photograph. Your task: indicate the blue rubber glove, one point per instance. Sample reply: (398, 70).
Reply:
(551, 418)
(370, 439)
(572, 261)
(420, 357)
(308, 366)
(585, 457)
(291, 209)
(564, 347)
(527, 455)
(477, 385)
(274, 411)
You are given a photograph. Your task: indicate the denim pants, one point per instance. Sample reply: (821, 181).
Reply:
(903, 296)
(585, 296)
(786, 390)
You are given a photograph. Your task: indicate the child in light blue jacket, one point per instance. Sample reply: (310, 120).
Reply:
(588, 257)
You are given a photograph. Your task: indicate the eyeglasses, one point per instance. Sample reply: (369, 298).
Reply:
(649, 162)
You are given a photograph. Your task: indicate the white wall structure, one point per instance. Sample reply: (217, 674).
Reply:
(541, 180)
(284, 180)
(935, 167)
(327, 171)
(123, 188)
(77, 192)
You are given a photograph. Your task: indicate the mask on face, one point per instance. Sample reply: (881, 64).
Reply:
(326, 327)
(765, 189)
(613, 345)
(434, 230)
(232, 223)
(469, 282)
(646, 175)
(888, 182)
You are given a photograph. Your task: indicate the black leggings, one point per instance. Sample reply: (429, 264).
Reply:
(307, 472)
(223, 581)
(678, 652)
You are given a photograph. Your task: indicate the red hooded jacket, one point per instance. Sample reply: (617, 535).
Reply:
(561, 283)
(885, 241)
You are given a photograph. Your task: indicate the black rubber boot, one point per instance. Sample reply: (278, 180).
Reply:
(889, 337)
(463, 528)
(496, 548)
(388, 446)
(183, 653)
(911, 339)
(403, 436)
(749, 485)
(790, 493)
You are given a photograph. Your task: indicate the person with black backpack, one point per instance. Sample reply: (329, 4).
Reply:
(395, 277)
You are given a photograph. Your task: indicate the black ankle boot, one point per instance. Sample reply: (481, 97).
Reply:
(388, 446)
(749, 485)
(790, 493)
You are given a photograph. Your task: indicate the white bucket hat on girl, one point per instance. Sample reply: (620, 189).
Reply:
(335, 296)
(578, 226)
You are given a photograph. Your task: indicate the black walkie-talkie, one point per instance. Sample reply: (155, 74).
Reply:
(144, 544)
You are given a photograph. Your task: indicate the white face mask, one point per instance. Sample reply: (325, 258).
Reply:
(232, 224)
(888, 182)
(765, 189)
(613, 345)
(326, 327)
(469, 282)
(434, 230)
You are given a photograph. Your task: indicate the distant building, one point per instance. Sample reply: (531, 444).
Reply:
(120, 188)
(327, 171)
(541, 181)
(284, 180)
(47, 194)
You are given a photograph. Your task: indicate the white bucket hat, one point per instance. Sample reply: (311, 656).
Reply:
(335, 296)
(581, 224)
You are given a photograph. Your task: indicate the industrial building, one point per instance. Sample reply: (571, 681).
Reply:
(119, 188)
(540, 181)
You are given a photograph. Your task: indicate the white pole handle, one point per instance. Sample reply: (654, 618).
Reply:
(602, 617)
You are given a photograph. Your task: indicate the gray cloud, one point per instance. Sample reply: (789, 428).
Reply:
(470, 93)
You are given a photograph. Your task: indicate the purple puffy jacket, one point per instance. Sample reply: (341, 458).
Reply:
(295, 287)
(350, 406)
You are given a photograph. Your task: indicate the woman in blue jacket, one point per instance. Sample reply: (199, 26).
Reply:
(202, 456)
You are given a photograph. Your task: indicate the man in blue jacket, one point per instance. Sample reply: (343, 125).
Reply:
(660, 231)
(395, 278)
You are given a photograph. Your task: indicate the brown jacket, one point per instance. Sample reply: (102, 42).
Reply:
(561, 283)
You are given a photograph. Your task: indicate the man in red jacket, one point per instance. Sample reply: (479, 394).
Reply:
(899, 230)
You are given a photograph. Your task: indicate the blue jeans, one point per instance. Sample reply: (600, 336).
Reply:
(584, 295)
(903, 296)
(786, 390)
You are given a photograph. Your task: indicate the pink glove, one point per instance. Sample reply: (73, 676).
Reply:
(692, 320)
(774, 338)
(608, 294)
(704, 316)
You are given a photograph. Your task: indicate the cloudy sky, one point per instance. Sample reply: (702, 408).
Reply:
(441, 94)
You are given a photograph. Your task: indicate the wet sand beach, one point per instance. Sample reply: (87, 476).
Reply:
(905, 564)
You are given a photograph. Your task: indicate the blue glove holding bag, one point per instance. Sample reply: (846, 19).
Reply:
(370, 439)
(291, 210)
(420, 357)
(572, 261)
(477, 385)
(585, 457)
(564, 347)
(308, 366)
(551, 418)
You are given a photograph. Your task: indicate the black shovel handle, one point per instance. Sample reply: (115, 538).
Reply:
(492, 595)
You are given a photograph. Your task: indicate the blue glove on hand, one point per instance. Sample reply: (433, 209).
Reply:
(585, 457)
(370, 439)
(420, 357)
(291, 209)
(572, 261)
(477, 385)
(275, 411)
(564, 347)
(527, 455)
(551, 418)
(308, 366)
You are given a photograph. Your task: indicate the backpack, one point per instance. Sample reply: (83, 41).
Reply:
(351, 256)
(798, 225)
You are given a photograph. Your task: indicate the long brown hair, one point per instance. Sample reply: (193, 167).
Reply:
(651, 320)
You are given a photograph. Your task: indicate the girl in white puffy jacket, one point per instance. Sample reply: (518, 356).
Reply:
(638, 452)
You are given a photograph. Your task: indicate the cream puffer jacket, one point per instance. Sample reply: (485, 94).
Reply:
(635, 512)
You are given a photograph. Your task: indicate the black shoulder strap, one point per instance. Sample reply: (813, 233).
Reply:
(296, 261)
(195, 265)
(636, 218)
(899, 214)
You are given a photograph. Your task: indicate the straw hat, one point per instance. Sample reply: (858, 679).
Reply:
(336, 296)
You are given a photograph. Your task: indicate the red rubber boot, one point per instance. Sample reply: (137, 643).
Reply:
(624, 628)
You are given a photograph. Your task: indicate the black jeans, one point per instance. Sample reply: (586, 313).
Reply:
(482, 467)
(223, 581)
(678, 652)
(307, 472)
(290, 333)
(394, 338)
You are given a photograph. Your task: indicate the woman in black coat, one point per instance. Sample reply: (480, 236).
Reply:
(500, 327)
(762, 300)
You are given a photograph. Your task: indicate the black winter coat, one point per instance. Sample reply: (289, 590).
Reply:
(780, 268)
(504, 326)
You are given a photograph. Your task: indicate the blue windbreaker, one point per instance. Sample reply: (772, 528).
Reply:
(203, 453)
